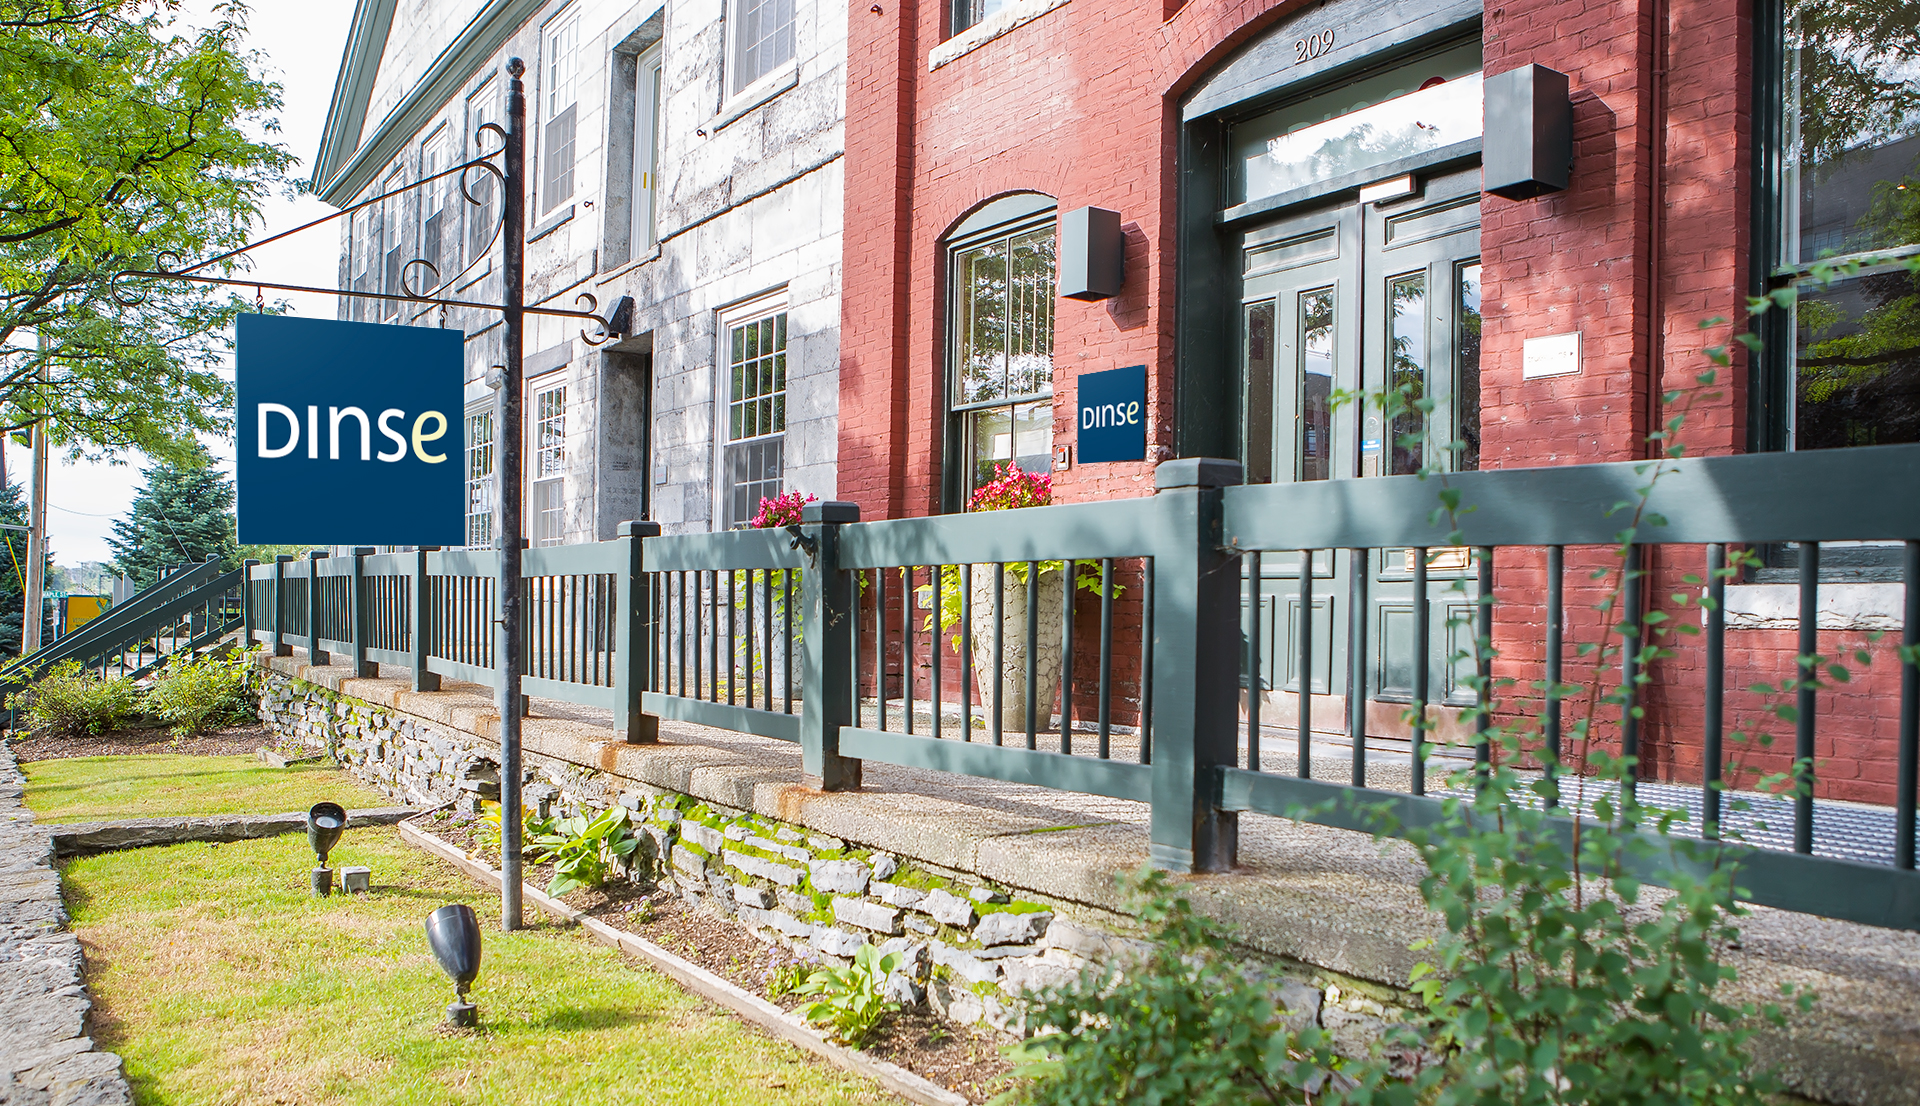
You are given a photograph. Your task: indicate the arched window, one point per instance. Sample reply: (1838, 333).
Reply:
(1001, 270)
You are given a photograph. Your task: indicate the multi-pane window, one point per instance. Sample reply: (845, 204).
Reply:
(361, 246)
(966, 13)
(1850, 134)
(481, 215)
(762, 39)
(392, 241)
(754, 459)
(436, 209)
(559, 109)
(1002, 341)
(547, 463)
(480, 479)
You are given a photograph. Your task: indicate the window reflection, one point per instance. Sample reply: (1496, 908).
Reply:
(1316, 384)
(1259, 362)
(1852, 185)
(1425, 105)
(1466, 385)
(1407, 371)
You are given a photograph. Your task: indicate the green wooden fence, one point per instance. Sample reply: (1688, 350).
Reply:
(816, 634)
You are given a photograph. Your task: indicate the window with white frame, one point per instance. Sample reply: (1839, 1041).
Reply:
(762, 39)
(753, 460)
(481, 215)
(480, 479)
(547, 461)
(436, 209)
(646, 149)
(360, 250)
(1002, 350)
(558, 96)
(392, 241)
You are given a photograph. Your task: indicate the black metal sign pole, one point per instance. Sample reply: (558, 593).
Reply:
(507, 657)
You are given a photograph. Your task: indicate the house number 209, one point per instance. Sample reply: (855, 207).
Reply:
(1313, 45)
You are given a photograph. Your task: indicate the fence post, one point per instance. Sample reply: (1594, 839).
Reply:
(419, 616)
(280, 646)
(633, 642)
(1196, 667)
(315, 654)
(246, 603)
(358, 614)
(830, 605)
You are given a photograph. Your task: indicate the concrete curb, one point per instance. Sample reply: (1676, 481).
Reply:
(88, 838)
(704, 983)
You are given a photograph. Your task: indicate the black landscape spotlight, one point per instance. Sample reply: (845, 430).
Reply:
(325, 823)
(454, 935)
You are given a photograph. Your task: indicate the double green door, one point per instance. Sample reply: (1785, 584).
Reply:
(1339, 305)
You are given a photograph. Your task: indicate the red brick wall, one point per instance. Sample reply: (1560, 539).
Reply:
(1082, 104)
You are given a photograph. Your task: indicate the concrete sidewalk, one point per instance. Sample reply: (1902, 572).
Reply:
(1336, 903)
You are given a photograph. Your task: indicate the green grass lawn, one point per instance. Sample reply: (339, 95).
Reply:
(221, 980)
(88, 789)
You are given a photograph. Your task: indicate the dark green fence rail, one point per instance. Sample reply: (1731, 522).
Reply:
(817, 634)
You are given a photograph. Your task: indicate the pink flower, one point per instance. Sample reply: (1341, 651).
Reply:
(781, 510)
(1012, 487)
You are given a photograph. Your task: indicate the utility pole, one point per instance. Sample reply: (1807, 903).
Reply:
(34, 614)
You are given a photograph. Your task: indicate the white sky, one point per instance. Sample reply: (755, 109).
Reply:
(302, 43)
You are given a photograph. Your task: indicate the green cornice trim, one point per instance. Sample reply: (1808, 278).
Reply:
(359, 64)
(341, 172)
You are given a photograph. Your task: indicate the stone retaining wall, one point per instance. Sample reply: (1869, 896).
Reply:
(968, 946)
(46, 1056)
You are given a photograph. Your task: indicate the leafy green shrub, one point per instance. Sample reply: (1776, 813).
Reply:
(582, 850)
(194, 695)
(75, 703)
(1187, 1023)
(853, 999)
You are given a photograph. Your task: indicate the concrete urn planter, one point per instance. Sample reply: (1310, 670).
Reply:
(1013, 674)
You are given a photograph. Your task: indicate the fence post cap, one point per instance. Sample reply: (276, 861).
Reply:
(316, 554)
(363, 550)
(1197, 472)
(638, 529)
(832, 510)
(282, 558)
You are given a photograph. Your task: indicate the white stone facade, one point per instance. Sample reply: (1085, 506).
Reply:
(746, 197)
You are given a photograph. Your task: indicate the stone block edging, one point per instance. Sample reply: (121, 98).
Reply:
(88, 838)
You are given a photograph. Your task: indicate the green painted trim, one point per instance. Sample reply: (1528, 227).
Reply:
(587, 695)
(723, 716)
(353, 87)
(1815, 495)
(1112, 778)
(341, 177)
(1847, 890)
(722, 550)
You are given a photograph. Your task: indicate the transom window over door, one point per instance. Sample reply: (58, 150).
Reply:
(1001, 323)
(547, 463)
(1850, 131)
(754, 460)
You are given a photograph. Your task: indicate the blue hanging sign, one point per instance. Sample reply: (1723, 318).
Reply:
(1112, 419)
(349, 433)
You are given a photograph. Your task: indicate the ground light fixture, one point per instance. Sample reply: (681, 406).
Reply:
(453, 933)
(325, 823)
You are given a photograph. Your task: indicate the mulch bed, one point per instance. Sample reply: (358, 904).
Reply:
(142, 740)
(965, 1059)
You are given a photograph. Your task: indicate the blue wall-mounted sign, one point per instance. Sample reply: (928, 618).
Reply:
(1112, 419)
(349, 433)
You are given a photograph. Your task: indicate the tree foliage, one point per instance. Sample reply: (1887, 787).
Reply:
(123, 145)
(183, 514)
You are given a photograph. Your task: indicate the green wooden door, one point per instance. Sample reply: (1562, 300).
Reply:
(1339, 304)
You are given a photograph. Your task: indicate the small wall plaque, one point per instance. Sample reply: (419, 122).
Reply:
(1552, 355)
